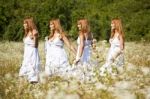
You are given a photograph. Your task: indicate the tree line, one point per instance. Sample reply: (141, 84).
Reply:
(135, 15)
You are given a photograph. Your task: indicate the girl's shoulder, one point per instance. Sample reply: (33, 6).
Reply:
(60, 35)
(35, 32)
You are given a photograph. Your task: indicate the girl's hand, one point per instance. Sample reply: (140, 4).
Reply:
(76, 61)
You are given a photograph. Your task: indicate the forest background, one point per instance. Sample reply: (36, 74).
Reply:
(135, 15)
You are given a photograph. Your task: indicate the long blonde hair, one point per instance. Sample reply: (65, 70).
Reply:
(118, 26)
(57, 27)
(85, 27)
(30, 26)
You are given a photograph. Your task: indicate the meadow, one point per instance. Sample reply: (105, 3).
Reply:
(131, 82)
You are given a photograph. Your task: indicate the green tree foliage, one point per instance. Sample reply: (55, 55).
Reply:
(135, 15)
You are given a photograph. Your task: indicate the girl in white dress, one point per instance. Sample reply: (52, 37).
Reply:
(84, 42)
(56, 57)
(31, 61)
(117, 46)
(83, 69)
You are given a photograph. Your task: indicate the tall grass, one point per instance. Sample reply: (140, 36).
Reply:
(132, 83)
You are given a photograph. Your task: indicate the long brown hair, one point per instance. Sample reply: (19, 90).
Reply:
(85, 27)
(30, 26)
(118, 26)
(57, 27)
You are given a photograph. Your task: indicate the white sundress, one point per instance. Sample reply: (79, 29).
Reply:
(114, 52)
(84, 70)
(56, 57)
(85, 58)
(114, 49)
(31, 61)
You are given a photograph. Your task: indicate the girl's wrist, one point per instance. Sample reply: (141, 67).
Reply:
(78, 58)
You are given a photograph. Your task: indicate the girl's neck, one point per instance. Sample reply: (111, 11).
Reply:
(116, 31)
(54, 31)
(29, 33)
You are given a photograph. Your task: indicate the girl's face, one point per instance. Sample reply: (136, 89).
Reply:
(79, 26)
(25, 25)
(112, 25)
(52, 27)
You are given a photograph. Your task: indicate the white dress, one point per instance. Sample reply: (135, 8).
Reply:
(115, 49)
(31, 61)
(85, 58)
(84, 70)
(113, 53)
(56, 57)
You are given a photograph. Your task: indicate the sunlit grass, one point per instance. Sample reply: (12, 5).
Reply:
(132, 83)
